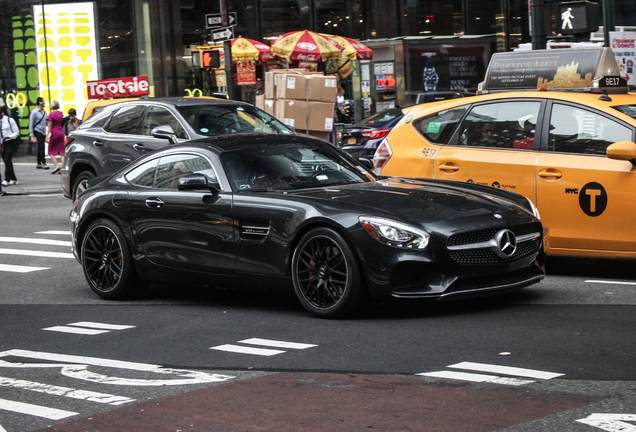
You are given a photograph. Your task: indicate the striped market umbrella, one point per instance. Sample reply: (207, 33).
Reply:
(249, 49)
(306, 46)
(352, 48)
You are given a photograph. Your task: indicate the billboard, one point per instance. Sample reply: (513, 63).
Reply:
(66, 52)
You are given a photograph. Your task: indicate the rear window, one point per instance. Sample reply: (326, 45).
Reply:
(437, 128)
(382, 117)
(630, 110)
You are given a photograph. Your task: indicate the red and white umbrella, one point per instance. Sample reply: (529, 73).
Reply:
(306, 46)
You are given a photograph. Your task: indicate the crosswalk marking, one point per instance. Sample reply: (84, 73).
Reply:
(489, 376)
(276, 344)
(88, 328)
(67, 358)
(35, 410)
(35, 253)
(20, 268)
(101, 325)
(35, 241)
(65, 391)
(247, 350)
(75, 330)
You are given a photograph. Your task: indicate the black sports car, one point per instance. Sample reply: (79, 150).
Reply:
(272, 209)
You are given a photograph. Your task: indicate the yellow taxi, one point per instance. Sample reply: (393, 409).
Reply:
(568, 146)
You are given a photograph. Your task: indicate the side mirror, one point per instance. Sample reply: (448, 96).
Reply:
(165, 132)
(623, 150)
(367, 163)
(197, 182)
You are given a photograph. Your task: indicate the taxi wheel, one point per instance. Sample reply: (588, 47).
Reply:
(326, 275)
(107, 262)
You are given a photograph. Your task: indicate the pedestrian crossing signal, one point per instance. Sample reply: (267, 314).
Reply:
(210, 59)
(579, 17)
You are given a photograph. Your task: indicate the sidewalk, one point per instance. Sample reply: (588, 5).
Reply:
(30, 179)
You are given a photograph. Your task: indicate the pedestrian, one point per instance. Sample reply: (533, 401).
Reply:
(55, 135)
(37, 131)
(9, 132)
(71, 122)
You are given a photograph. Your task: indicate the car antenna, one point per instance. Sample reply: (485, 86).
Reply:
(605, 97)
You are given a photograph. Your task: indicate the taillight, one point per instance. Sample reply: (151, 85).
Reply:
(382, 155)
(68, 140)
(375, 134)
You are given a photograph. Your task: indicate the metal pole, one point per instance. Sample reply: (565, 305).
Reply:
(227, 48)
(537, 8)
(608, 20)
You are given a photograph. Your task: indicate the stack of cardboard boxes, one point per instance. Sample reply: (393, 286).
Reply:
(300, 99)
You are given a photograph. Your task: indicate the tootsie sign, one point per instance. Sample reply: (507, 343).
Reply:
(118, 87)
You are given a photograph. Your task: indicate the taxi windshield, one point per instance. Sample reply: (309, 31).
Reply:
(630, 110)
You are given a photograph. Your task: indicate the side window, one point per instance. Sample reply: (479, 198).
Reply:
(159, 116)
(437, 128)
(143, 175)
(575, 130)
(126, 120)
(172, 168)
(508, 125)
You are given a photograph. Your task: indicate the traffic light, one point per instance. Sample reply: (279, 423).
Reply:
(579, 17)
(210, 59)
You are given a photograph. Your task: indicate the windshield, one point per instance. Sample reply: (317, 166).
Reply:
(381, 117)
(630, 110)
(224, 119)
(291, 166)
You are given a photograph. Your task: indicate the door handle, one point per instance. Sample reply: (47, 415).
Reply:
(550, 174)
(139, 147)
(97, 143)
(446, 166)
(154, 202)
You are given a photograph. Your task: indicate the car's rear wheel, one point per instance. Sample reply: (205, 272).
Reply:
(326, 275)
(107, 262)
(81, 183)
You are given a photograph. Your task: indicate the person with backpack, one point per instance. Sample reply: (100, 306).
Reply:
(37, 130)
(71, 122)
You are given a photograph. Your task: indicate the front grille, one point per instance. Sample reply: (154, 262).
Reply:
(493, 281)
(487, 256)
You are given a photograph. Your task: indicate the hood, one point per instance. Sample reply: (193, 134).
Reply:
(422, 202)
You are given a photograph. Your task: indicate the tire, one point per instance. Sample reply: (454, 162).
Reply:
(107, 262)
(79, 185)
(326, 275)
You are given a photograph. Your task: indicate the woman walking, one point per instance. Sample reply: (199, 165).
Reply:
(55, 135)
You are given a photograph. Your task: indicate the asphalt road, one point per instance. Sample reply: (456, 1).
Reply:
(557, 356)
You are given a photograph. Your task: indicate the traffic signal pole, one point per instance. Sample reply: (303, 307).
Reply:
(227, 49)
(608, 20)
(537, 9)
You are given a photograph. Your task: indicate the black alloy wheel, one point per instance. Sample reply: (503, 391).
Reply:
(81, 183)
(325, 274)
(107, 262)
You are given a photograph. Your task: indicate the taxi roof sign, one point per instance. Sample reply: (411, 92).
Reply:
(591, 70)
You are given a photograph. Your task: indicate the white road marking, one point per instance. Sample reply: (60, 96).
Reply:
(75, 330)
(35, 253)
(276, 344)
(460, 376)
(65, 358)
(53, 232)
(611, 422)
(35, 410)
(610, 282)
(505, 370)
(2, 429)
(101, 325)
(20, 269)
(247, 350)
(65, 391)
(35, 241)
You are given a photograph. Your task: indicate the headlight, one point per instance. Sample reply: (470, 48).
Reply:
(534, 209)
(394, 233)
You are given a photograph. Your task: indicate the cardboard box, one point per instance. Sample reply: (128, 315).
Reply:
(268, 106)
(292, 112)
(260, 102)
(322, 88)
(320, 135)
(320, 116)
(291, 86)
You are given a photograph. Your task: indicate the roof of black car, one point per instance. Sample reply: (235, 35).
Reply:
(222, 143)
(185, 101)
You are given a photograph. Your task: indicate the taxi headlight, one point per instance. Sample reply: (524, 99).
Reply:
(394, 233)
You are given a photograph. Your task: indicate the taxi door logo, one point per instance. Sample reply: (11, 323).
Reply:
(593, 199)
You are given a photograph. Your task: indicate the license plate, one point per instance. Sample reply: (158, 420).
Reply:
(351, 141)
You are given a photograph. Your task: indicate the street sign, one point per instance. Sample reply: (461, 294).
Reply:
(222, 34)
(213, 21)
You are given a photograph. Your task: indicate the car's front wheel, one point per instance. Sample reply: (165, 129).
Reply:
(326, 275)
(107, 262)
(81, 183)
